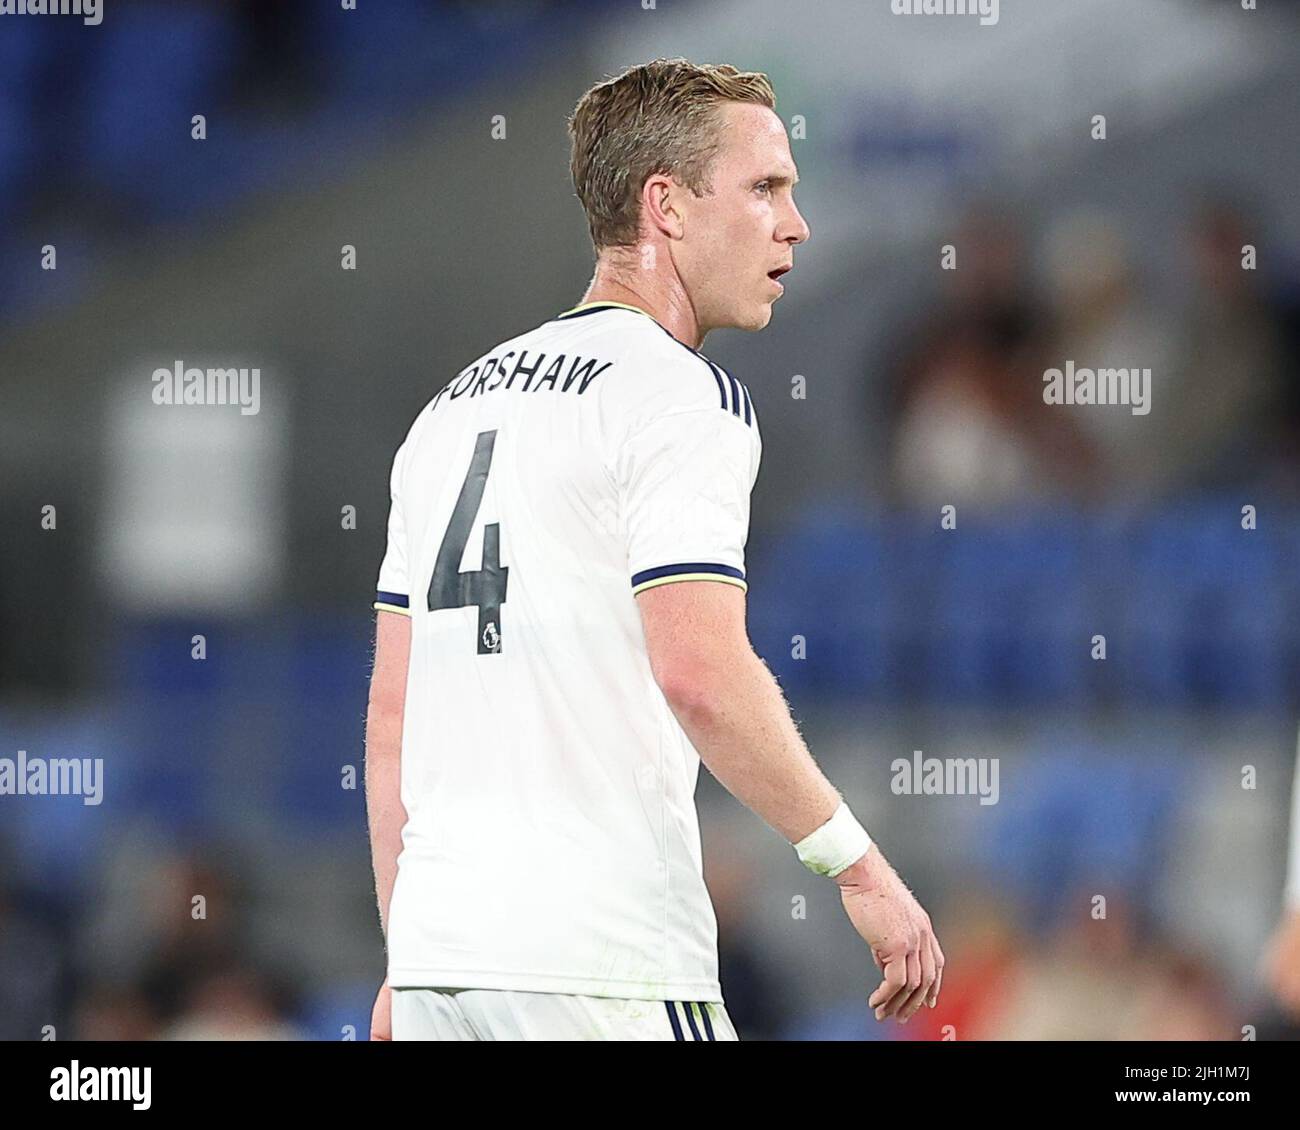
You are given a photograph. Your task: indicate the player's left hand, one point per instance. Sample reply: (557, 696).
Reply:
(381, 1019)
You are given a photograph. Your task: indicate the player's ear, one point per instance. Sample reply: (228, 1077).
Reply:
(661, 199)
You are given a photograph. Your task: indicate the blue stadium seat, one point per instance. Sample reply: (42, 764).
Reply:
(17, 148)
(823, 579)
(1082, 815)
(24, 45)
(60, 837)
(157, 67)
(329, 1012)
(1050, 660)
(325, 695)
(1195, 610)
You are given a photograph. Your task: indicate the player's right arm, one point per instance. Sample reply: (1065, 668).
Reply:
(733, 711)
(685, 458)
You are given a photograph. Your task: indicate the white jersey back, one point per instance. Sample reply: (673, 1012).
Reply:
(552, 842)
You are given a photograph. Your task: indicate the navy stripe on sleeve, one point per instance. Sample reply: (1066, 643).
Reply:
(726, 380)
(735, 393)
(742, 397)
(722, 392)
(394, 598)
(686, 567)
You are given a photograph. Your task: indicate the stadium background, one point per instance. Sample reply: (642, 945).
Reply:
(375, 128)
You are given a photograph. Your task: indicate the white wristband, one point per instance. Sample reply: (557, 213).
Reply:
(838, 843)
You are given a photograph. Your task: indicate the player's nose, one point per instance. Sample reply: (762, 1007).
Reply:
(795, 229)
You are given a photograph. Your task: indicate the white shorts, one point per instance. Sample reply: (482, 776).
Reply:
(505, 1014)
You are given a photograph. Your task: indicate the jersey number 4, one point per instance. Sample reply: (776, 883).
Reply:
(484, 587)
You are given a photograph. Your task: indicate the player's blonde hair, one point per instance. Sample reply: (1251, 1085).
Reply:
(658, 117)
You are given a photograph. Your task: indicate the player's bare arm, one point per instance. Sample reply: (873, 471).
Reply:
(736, 717)
(384, 809)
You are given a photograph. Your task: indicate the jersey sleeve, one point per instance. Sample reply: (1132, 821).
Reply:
(684, 470)
(393, 593)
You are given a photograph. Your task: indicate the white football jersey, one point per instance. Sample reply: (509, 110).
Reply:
(552, 843)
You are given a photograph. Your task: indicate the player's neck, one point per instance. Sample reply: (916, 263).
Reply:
(664, 300)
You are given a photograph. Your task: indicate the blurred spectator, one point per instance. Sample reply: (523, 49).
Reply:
(968, 409)
(1101, 321)
(31, 972)
(1282, 964)
(1105, 979)
(1222, 405)
(188, 968)
(233, 1003)
(114, 1012)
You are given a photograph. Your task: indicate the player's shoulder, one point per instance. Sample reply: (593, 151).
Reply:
(682, 379)
(657, 374)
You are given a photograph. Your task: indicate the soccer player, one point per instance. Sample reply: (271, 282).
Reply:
(561, 627)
